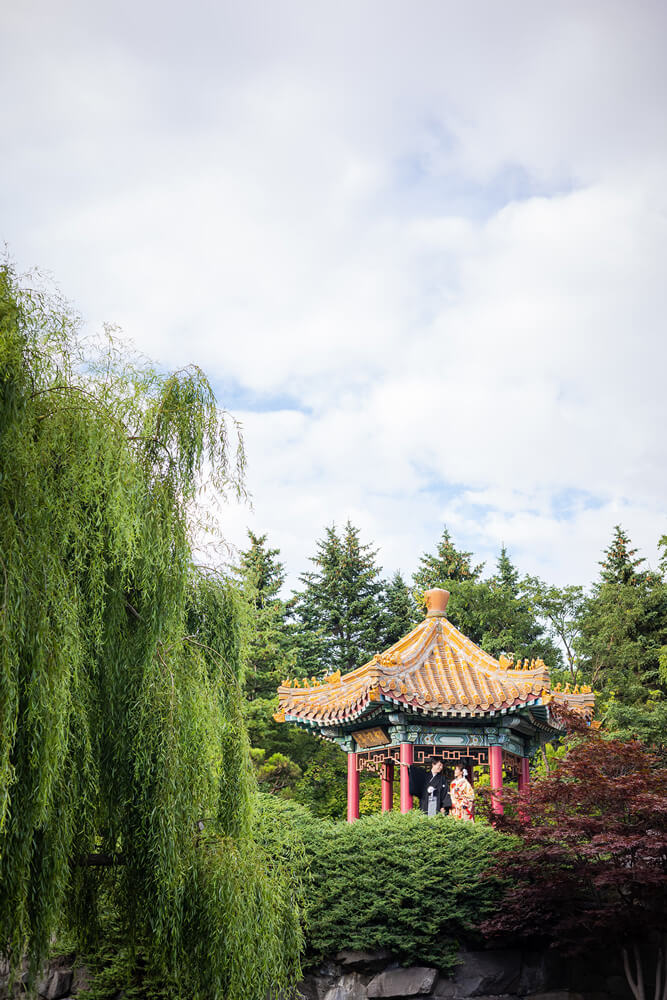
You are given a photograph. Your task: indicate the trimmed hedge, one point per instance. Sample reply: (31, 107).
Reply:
(413, 885)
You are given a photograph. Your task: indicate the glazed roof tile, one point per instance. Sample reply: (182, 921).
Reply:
(434, 670)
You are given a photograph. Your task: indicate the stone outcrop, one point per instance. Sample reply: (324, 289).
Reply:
(411, 982)
(500, 974)
(508, 974)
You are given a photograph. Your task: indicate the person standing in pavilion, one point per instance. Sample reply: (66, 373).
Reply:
(462, 794)
(431, 788)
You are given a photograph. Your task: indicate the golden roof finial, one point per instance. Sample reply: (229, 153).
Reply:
(436, 602)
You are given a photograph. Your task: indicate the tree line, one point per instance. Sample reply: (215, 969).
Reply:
(612, 636)
(131, 676)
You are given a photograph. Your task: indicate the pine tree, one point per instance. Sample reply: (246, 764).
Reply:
(624, 626)
(269, 659)
(339, 614)
(662, 544)
(446, 565)
(619, 565)
(400, 611)
(507, 574)
(260, 568)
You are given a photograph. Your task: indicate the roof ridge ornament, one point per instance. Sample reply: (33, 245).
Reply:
(436, 602)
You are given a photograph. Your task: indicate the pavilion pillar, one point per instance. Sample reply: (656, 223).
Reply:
(496, 775)
(387, 786)
(352, 788)
(524, 774)
(407, 757)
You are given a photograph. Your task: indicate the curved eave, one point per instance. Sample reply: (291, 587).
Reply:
(440, 712)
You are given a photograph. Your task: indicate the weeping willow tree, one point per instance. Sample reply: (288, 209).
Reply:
(120, 669)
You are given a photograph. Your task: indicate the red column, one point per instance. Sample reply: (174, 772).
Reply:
(352, 788)
(524, 774)
(496, 774)
(387, 786)
(406, 760)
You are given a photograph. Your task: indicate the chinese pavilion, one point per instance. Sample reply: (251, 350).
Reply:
(433, 693)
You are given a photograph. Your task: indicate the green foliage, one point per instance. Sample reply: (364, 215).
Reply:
(405, 883)
(401, 613)
(507, 575)
(339, 615)
(277, 773)
(269, 658)
(624, 627)
(561, 609)
(447, 564)
(496, 613)
(619, 565)
(323, 788)
(645, 721)
(120, 670)
(662, 544)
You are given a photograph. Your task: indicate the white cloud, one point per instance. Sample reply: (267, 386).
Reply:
(427, 243)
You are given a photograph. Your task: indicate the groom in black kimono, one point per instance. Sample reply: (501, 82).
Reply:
(431, 788)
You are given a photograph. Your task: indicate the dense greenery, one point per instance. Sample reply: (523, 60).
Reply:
(339, 615)
(614, 638)
(121, 672)
(131, 679)
(590, 867)
(405, 883)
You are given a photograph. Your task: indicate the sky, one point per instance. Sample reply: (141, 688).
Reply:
(419, 249)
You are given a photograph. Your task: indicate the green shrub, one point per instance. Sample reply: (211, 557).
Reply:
(413, 885)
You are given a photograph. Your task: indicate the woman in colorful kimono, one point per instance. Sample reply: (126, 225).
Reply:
(462, 794)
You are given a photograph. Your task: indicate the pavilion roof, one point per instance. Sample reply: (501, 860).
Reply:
(434, 670)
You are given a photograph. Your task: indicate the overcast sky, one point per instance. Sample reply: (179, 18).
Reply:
(419, 247)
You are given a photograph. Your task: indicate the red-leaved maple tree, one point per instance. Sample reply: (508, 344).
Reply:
(590, 867)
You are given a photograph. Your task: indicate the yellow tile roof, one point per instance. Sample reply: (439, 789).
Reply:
(434, 670)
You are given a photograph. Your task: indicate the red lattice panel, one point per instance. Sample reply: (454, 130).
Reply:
(372, 760)
(452, 754)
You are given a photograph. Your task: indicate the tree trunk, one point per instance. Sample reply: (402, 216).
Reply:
(636, 981)
(661, 971)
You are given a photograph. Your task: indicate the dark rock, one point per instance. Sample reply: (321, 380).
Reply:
(555, 995)
(349, 987)
(81, 978)
(541, 972)
(316, 987)
(487, 973)
(617, 986)
(309, 988)
(372, 961)
(328, 968)
(444, 989)
(416, 981)
(60, 984)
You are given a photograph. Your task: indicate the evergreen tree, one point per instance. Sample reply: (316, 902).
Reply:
(339, 614)
(400, 611)
(619, 565)
(500, 621)
(269, 659)
(662, 544)
(507, 574)
(624, 626)
(446, 565)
